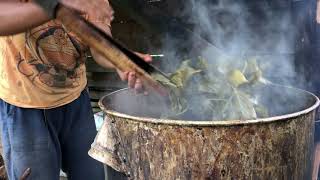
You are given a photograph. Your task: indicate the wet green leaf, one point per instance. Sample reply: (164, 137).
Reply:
(236, 78)
(202, 64)
(262, 112)
(252, 71)
(223, 93)
(183, 74)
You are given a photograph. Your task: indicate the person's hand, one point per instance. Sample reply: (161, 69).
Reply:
(133, 81)
(97, 11)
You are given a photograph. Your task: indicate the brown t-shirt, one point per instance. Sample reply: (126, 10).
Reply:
(43, 67)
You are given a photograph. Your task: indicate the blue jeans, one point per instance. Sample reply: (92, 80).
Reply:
(49, 140)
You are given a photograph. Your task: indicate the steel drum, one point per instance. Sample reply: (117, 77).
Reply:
(139, 144)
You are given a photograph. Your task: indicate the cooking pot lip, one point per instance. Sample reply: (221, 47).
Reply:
(211, 123)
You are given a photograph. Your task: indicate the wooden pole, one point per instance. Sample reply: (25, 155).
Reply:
(104, 44)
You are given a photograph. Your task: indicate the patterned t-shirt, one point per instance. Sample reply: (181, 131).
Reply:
(43, 67)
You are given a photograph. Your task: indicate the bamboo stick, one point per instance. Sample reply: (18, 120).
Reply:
(104, 45)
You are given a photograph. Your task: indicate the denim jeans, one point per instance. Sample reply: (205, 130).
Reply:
(49, 140)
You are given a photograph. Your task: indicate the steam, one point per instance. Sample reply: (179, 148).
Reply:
(239, 31)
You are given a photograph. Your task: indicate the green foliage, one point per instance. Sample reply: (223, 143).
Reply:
(221, 92)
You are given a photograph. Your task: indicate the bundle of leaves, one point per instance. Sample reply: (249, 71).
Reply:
(216, 91)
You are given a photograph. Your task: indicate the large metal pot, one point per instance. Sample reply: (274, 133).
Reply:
(134, 141)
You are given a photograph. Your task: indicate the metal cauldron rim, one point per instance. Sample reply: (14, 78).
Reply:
(211, 123)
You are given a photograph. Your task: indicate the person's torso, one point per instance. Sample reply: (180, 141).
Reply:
(42, 68)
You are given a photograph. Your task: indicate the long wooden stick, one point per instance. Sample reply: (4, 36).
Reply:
(105, 46)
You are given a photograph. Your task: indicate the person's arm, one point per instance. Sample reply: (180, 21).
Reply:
(99, 59)
(133, 81)
(17, 17)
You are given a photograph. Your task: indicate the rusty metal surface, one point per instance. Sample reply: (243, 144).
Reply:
(156, 151)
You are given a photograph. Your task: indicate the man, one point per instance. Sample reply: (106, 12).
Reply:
(45, 114)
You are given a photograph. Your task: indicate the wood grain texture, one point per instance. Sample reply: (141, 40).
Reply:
(106, 48)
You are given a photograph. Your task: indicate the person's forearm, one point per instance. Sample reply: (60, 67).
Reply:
(16, 17)
(102, 61)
